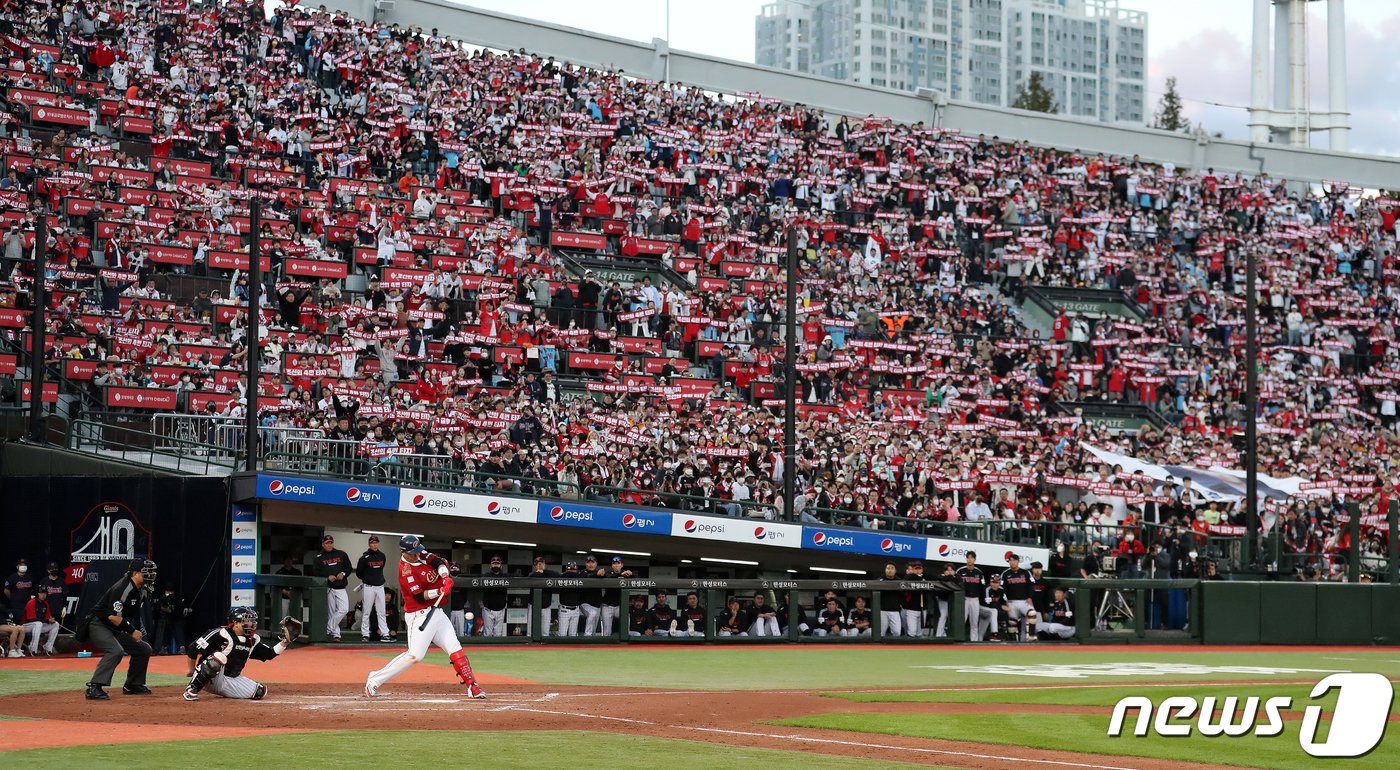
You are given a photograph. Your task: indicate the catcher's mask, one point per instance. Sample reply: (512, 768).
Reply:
(245, 615)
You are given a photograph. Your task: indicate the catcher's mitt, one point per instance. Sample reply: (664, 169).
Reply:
(291, 629)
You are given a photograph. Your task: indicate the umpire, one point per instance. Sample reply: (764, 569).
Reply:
(112, 626)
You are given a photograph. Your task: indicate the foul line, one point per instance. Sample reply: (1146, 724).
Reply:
(830, 741)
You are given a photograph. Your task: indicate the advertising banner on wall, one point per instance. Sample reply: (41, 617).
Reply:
(243, 562)
(594, 516)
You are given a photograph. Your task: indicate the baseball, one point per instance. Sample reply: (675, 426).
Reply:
(470, 616)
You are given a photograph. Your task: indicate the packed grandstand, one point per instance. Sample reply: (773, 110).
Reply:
(533, 276)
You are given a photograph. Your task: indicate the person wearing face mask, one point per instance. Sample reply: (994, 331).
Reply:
(19, 589)
(1130, 552)
(1059, 562)
(55, 589)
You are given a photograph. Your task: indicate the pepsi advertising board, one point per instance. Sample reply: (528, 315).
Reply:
(749, 531)
(574, 514)
(470, 506)
(873, 543)
(243, 562)
(328, 492)
(988, 554)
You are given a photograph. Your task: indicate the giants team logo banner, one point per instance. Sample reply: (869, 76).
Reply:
(873, 543)
(573, 514)
(110, 530)
(469, 506)
(243, 564)
(747, 531)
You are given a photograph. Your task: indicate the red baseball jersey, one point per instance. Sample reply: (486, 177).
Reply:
(414, 579)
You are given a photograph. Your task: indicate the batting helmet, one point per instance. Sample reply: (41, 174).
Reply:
(411, 545)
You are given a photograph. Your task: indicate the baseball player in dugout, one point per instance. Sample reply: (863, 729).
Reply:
(217, 658)
(912, 605)
(891, 604)
(1059, 618)
(114, 626)
(546, 596)
(425, 581)
(663, 616)
(592, 598)
(690, 620)
(1017, 583)
(974, 582)
(493, 602)
(570, 602)
(370, 570)
(334, 566)
(612, 596)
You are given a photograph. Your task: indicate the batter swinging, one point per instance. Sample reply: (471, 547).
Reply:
(425, 582)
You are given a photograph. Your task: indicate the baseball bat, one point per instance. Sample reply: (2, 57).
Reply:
(431, 610)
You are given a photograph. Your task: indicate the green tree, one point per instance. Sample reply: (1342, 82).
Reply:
(1168, 116)
(1035, 96)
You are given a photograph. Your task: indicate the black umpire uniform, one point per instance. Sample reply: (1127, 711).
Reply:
(125, 601)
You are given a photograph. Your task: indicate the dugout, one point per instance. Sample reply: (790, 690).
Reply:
(274, 516)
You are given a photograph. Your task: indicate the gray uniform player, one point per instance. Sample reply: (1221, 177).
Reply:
(217, 658)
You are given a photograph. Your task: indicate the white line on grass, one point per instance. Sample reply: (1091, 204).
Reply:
(829, 741)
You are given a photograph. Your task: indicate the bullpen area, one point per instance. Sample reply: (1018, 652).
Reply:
(814, 706)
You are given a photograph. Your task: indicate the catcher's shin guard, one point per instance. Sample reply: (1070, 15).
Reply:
(462, 667)
(205, 671)
(259, 692)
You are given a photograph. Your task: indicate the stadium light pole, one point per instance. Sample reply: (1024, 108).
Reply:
(790, 381)
(254, 361)
(1251, 403)
(38, 301)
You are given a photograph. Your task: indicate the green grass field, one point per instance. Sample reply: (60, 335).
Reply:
(1061, 695)
(859, 668)
(1088, 733)
(1030, 682)
(21, 682)
(541, 749)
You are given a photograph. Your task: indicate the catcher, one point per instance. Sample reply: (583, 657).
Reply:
(217, 658)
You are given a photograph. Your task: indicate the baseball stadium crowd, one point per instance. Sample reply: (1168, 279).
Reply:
(450, 240)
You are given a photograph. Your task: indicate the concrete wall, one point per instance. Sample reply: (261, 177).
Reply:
(502, 31)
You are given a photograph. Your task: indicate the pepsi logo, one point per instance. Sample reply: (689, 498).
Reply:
(419, 501)
(818, 538)
(555, 513)
(690, 525)
(494, 507)
(352, 494)
(1006, 557)
(759, 532)
(275, 486)
(943, 549)
(629, 520)
(887, 545)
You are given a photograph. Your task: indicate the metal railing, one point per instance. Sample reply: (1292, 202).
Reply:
(677, 501)
(149, 449)
(226, 433)
(338, 458)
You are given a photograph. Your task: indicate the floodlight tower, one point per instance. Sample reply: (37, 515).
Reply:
(1287, 118)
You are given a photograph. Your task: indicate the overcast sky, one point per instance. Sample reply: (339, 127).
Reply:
(1204, 43)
